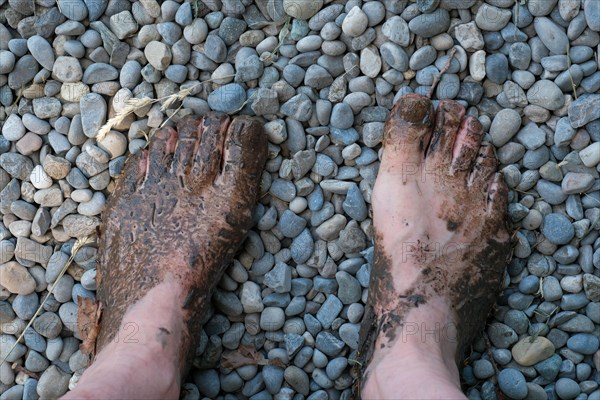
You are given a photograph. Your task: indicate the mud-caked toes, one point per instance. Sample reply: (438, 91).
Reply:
(466, 145)
(484, 167)
(447, 122)
(497, 197)
(408, 129)
(189, 131)
(208, 154)
(245, 153)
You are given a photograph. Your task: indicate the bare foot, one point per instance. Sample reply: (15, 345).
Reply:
(441, 245)
(177, 216)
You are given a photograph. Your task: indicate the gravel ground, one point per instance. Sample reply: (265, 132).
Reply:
(295, 294)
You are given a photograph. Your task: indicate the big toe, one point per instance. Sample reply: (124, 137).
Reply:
(407, 132)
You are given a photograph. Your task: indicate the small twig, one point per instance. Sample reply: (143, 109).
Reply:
(437, 78)
(569, 69)
(76, 247)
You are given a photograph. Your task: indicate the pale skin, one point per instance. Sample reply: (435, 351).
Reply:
(427, 229)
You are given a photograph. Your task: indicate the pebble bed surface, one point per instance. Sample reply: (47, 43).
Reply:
(296, 291)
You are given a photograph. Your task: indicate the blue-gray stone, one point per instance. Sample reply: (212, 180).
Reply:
(279, 278)
(34, 340)
(342, 116)
(511, 34)
(501, 335)
(25, 306)
(564, 132)
(296, 306)
(273, 378)
(429, 25)
(291, 224)
(293, 343)
(488, 390)
(302, 247)
(325, 285)
(493, 40)
(329, 310)
(496, 68)
(208, 382)
(343, 137)
(30, 390)
(228, 98)
(301, 286)
(231, 29)
(520, 55)
(298, 107)
(328, 343)
(552, 35)
(284, 190)
(534, 159)
(315, 199)
(354, 205)
(517, 320)
(280, 300)
(567, 388)
(512, 383)
(585, 109)
(336, 367)
(550, 367)
(584, 343)
(80, 291)
(572, 302)
(558, 229)
(312, 324)
(550, 192)
(529, 285)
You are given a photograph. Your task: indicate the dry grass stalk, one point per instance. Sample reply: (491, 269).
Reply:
(76, 247)
(134, 104)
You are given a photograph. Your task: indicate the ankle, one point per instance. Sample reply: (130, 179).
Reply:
(424, 348)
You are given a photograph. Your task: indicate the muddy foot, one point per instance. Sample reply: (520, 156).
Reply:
(441, 236)
(179, 212)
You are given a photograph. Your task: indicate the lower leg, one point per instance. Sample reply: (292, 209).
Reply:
(421, 362)
(441, 246)
(143, 360)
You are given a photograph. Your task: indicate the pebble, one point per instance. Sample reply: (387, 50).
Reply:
(531, 350)
(567, 388)
(557, 228)
(228, 98)
(355, 23)
(430, 25)
(302, 9)
(297, 379)
(512, 383)
(553, 37)
(53, 383)
(546, 94)
(16, 278)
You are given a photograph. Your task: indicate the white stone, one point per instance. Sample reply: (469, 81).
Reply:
(39, 178)
(370, 61)
(302, 9)
(591, 155)
(477, 65)
(572, 284)
(355, 23)
(114, 143)
(250, 298)
(158, 54)
(223, 74)
(73, 91)
(469, 36)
